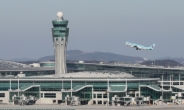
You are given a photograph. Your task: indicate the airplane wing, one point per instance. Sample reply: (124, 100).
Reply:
(137, 47)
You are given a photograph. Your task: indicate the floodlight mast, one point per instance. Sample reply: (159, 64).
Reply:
(60, 39)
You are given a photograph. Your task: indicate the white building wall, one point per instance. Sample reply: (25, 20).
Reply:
(44, 100)
(6, 98)
(99, 99)
(35, 65)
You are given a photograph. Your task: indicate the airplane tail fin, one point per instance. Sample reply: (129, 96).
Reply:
(153, 46)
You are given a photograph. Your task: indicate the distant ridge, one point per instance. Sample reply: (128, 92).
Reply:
(180, 60)
(97, 56)
(165, 63)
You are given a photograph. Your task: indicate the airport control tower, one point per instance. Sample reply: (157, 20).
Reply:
(60, 39)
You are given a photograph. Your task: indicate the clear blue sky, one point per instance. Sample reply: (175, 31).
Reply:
(95, 25)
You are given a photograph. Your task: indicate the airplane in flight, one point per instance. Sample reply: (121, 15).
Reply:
(140, 47)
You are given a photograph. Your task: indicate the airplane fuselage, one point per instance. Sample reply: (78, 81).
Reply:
(139, 47)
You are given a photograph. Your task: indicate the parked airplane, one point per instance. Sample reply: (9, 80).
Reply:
(139, 47)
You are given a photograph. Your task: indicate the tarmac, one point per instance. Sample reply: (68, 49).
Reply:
(90, 107)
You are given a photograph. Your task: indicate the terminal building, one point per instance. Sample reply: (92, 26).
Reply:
(57, 82)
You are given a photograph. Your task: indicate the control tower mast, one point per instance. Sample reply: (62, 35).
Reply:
(60, 39)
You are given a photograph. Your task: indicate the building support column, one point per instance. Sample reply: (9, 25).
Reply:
(71, 86)
(62, 83)
(139, 89)
(179, 80)
(96, 99)
(92, 95)
(126, 87)
(162, 90)
(10, 84)
(108, 91)
(170, 82)
(18, 87)
(102, 99)
(172, 79)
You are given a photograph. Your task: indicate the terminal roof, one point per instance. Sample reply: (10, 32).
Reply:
(92, 75)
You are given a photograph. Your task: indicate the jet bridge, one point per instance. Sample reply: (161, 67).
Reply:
(79, 93)
(26, 92)
(155, 92)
